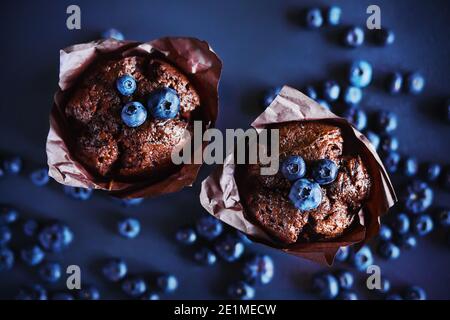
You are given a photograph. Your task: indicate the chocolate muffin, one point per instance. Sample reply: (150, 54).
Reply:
(266, 198)
(109, 146)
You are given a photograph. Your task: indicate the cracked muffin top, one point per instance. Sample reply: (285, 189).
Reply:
(322, 201)
(128, 114)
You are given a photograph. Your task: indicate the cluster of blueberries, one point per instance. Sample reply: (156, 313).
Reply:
(162, 103)
(211, 240)
(306, 194)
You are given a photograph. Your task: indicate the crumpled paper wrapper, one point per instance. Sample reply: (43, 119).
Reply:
(192, 56)
(220, 193)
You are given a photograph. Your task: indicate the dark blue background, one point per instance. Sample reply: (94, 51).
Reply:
(260, 47)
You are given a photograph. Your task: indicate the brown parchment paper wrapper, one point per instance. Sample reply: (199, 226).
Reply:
(193, 57)
(220, 193)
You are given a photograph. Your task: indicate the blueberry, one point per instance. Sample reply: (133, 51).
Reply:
(186, 236)
(310, 92)
(384, 36)
(431, 171)
(229, 248)
(167, 283)
(325, 285)
(270, 95)
(40, 177)
(445, 178)
(410, 166)
(5, 235)
(129, 228)
(6, 259)
(400, 223)
(362, 259)
(389, 143)
(422, 225)
(115, 269)
(345, 279)
(386, 121)
(32, 255)
(443, 217)
(50, 271)
(360, 73)
(131, 202)
(30, 227)
(331, 90)
(150, 295)
(63, 296)
(88, 293)
(78, 193)
(394, 83)
(347, 295)
(414, 293)
(12, 165)
(163, 104)
(313, 18)
(388, 250)
(259, 269)
(353, 37)
(324, 104)
(205, 256)
(33, 292)
(324, 171)
(333, 15)
(385, 232)
(293, 168)
(126, 85)
(373, 138)
(55, 237)
(241, 291)
(385, 286)
(134, 287)
(352, 95)
(414, 83)
(133, 114)
(342, 254)
(209, 227)
(391, 160)
(406, 241)
(113, 34)
(305, 194)
(418, 197)
(356, 116)
(243, 237)
(393, 296)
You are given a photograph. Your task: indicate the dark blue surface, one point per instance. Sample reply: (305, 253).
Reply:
(260, 46)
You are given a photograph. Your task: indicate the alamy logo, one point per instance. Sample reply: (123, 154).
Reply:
(74, 19)
(374, 20)
(74, 279)
(374, 280)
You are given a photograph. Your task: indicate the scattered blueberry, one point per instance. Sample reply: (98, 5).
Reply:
(34, 292)
(414, 293)
(324, 171)
(406, 241)
(259, 269)
(391, 161)
(12, 165)
(342, 254)
(88, 293)
(126, 85)
(310, 92)
(63, 296)
(385, 286)
(422, 224)
(132, 202)
(325, 285)
(388, 250)
(331, 90)
(373, 138)
(431, 171)
(205, 256)
(50, 271)
(293, 168)
(30, 227)
(394, 83)
(324, 104)
(40, 177)
(115, 269)
(345, 279)
(55, 237)
(150, 295)
(32, 255)
(186, 236)
(414, 83)
(333, 15)
(78, 193)
(134, 287)
(352, 95)
(347, 295)
(270, 95)
(353, 37)
(134, 114)
(418, 197)
(410, 166)
(385, 232)
(113, 34)
(243, 237)
(386, 121)
(362, 259)
(229, 248)
(167, 283)
(6, 259)
(384, 36)
(241, 291)
(313, 18)
(356, 116)
(5, 235)
(209, 227)
(389, 143)
(305, 194)
(400, 223)
(129, 228)
(163, 103)
(443, 217)
(360, 73)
